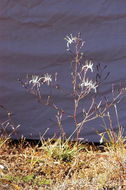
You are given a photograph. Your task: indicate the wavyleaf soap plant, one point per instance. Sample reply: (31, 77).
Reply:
(82, 86)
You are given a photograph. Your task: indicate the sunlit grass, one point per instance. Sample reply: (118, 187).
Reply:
(62, 165)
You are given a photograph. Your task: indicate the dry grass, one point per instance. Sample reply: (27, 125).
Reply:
(61, 166)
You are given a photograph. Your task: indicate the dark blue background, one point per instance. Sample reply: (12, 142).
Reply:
(32, 42)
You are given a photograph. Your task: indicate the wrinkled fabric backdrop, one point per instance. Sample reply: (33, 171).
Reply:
(32, 42)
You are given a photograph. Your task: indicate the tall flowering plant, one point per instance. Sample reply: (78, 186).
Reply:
(82, 86)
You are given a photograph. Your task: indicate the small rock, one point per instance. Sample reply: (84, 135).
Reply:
(3, 167)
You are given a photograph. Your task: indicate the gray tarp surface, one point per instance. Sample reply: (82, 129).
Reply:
(32, 42)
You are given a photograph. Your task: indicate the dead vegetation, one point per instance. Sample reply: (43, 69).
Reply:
(61, 165)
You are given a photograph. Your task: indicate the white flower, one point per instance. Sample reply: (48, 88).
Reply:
(89, 84)
(70, 40)
(47, 79)
(88, 65)
(35, 81)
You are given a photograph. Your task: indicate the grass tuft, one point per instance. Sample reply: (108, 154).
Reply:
(62, 165)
